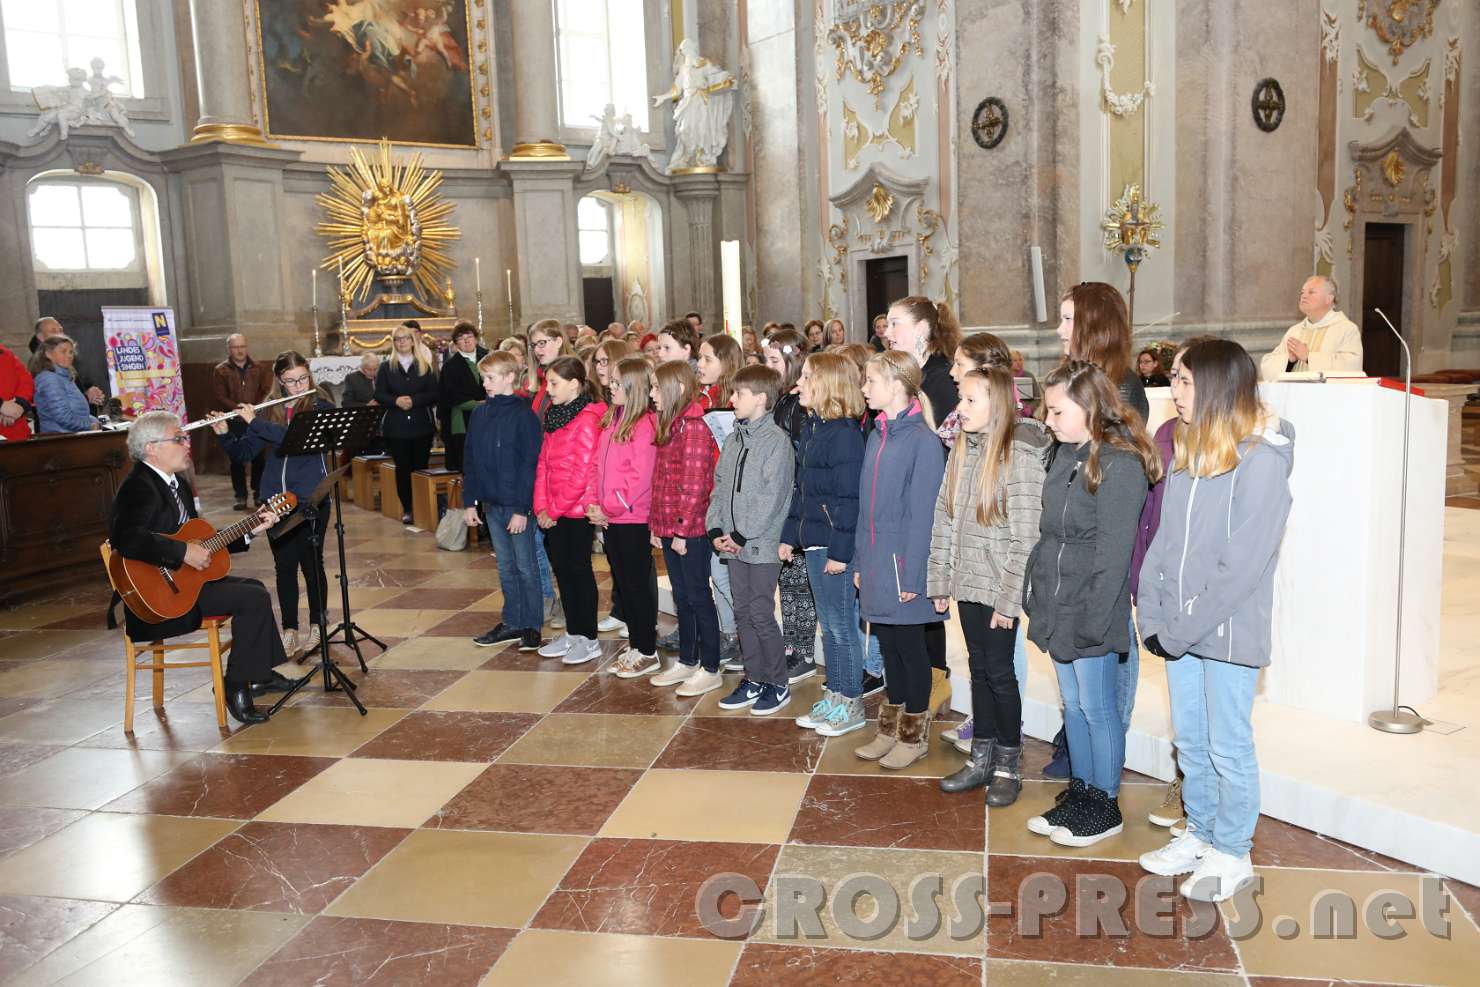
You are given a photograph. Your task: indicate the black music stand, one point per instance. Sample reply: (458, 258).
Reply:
(315, 433)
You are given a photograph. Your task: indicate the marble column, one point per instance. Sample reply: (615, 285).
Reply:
(220, 33)
(536, 116)
(698, 194)
(545, 234)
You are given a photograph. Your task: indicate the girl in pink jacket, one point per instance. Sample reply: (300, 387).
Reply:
(619, 501)
(562, 476)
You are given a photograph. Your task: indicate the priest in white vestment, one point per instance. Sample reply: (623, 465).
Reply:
(1325, 340)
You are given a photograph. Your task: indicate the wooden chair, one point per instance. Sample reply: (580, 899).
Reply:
(156, 650)
(427, 487)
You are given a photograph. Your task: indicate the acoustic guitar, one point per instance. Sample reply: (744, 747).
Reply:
(157, 593)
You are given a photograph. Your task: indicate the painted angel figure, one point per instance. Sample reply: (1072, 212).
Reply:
(102, 106)
(64, 107)
(701, 114)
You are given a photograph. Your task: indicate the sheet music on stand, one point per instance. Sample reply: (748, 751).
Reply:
(721, 423)
(330, 430)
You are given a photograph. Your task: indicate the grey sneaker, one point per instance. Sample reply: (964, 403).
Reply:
(582, 650)
(845, 716)
(557, 648)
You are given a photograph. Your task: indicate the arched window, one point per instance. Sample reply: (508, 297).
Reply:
(602, 49)
(593, 227)
(42, 37)
(85, 226)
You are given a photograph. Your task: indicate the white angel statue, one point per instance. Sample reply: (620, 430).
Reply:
(102, 106)
(63, 107)
(605, 143)
(702, 94)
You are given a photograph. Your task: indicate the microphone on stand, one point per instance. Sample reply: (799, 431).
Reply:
(1400, 719)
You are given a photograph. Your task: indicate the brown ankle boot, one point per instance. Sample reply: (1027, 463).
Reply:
(940, 691)
(914, 741)
(885, 736)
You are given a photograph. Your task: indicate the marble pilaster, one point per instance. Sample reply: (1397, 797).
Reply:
(545, 234)
(219, 31)
(536, 114)
(698, 194)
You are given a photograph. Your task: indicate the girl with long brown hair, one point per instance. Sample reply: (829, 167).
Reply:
(930, 333)
(719, 358)
(1206, 603)
(1095, 327)
(1078, 590)
(292, 551)
(986, 523)
(547, 343)
(785, 353)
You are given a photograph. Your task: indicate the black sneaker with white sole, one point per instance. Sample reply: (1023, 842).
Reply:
(1045, 823)
(1089, 819)
(500, 634)
(798, 668)
(871, 685)
(529, 640)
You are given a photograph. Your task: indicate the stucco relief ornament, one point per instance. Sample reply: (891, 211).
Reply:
(86, 100)
(1120, 104)
(1400, 24)
(872, 39)
(1330, 36)
(702, 95)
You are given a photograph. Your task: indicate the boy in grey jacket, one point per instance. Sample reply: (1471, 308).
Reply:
(752, 487)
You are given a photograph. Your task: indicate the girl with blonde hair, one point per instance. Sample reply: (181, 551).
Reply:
(406, 386)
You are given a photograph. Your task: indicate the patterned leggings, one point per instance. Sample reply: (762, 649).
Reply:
(798, 611)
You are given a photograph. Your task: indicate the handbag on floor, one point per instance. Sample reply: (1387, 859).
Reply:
(452, 531)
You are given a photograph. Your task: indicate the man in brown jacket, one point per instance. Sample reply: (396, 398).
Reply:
(239, 379)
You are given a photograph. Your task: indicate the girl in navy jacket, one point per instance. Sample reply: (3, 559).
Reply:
(293, 550)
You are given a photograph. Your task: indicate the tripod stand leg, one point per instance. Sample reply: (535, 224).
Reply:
(353, 633)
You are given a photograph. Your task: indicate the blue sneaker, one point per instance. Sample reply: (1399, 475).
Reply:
(745, 694)
(772, 698)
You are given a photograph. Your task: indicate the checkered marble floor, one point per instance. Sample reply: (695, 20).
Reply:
(499, 818)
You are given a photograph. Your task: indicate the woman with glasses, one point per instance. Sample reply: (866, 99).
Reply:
(459, 390)
(293, 550)
(547, 343)
(406, 386)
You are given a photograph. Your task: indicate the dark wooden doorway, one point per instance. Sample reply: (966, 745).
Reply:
(599, 305)
(885, 280)
(1382, 288)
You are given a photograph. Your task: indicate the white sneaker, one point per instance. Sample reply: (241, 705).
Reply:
(624, 633)
(817, 715)
(700, 682)
(609, 624)
(1218, 877)
(582, 650)
(674, 674)
(1180, 856)
(311, 639)
(556, 647)
(633, 664)
(290, 642)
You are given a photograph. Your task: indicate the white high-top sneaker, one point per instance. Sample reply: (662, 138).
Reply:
(1218, 877)
(1180, 856)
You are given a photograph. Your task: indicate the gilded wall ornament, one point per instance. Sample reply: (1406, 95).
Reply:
(1370, 86)
(880, 203)
(1131, 226)
(1393, 169)
(1119, 104)
(1268, 105)
(872, 38)
(989, 123)
(898, 129)
(387, 220)
(1400, 24)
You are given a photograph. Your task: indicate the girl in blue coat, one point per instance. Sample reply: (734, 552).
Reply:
(903, 466)
(292, 551)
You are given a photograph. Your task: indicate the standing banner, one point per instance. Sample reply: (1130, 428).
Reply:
(144, 360)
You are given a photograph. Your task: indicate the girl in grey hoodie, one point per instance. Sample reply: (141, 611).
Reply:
(1205, 599)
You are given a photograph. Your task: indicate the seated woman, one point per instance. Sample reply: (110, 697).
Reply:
(60, 406)
(292, 551)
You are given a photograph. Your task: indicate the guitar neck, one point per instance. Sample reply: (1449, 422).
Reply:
(230, 534)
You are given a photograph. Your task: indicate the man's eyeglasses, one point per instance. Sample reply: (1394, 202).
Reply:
(183, 440)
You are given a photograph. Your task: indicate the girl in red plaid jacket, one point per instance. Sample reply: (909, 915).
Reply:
(683, 477)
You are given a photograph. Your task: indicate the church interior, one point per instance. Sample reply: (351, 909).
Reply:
(184, 182)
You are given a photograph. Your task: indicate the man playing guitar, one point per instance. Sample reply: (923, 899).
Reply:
(151, 503)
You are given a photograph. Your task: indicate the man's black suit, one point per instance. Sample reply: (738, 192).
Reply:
(143, 509)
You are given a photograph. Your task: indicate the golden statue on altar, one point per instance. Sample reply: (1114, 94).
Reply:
(388, 227)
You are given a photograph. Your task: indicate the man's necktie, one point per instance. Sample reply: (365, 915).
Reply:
(179, 501)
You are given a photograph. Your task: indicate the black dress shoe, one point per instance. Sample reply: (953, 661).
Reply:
(278, 683)
(239, 705)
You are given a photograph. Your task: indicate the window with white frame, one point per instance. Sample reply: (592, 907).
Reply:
(44, 38)
(85, 227)
(602, 51)
(593, 228)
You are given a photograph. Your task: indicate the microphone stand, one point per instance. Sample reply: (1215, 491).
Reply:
(1400, 719)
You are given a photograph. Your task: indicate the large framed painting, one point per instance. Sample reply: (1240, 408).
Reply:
(360, 70)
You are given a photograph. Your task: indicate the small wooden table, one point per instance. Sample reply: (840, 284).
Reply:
(426, 487)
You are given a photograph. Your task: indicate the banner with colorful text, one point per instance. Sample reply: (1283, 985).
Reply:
(144, 360)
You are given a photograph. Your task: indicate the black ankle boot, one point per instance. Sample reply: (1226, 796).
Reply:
(975, 771)
(1007, 780)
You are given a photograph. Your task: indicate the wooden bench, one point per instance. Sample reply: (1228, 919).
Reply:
(365, 480)
(427, 486)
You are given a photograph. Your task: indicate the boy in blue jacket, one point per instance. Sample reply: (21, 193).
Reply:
(503, 445)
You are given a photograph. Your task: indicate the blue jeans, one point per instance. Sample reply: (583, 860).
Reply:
(1212, 705)
(1127, 677)
(873, 658)
(517, 572)
(837, 612)
(1096, 740)
(698, 623)
(1020, 660)
(547, 583)
(724, 602)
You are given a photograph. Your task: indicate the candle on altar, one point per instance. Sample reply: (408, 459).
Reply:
(314, 277)
(478, 273)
